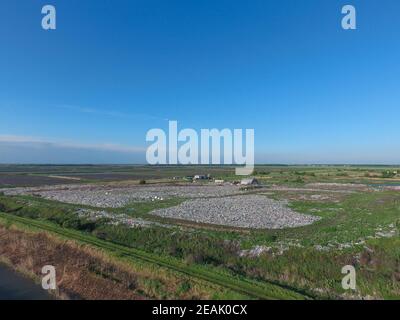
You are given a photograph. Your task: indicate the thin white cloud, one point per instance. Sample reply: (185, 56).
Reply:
(16, 139)
(110, 113)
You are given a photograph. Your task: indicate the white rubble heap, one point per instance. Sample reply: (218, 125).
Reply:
(245, 211)
(115, 197)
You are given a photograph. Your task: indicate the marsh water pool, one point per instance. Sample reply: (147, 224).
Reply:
(14, 286)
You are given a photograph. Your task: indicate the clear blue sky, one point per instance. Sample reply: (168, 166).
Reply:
(90, 90)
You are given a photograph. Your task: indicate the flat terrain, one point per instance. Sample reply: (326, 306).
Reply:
(37, 175)
(12, 180)
(287, 238)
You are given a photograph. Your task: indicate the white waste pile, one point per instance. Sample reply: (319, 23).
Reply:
(246, 211)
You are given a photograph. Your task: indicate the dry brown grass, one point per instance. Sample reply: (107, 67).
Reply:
(87, 273)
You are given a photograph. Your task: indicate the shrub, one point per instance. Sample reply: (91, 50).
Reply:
(299, 180)
(183, 287)
(388, 174)
(342, 174)
(195, 258)
(262, 173)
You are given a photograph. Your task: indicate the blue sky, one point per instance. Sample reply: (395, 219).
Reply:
(90, 90)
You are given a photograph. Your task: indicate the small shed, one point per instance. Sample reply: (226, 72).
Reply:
(249, 182)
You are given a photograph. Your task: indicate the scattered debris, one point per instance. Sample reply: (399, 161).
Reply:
(115, 219)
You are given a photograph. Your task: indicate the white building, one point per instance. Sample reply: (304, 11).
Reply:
(200, 177)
